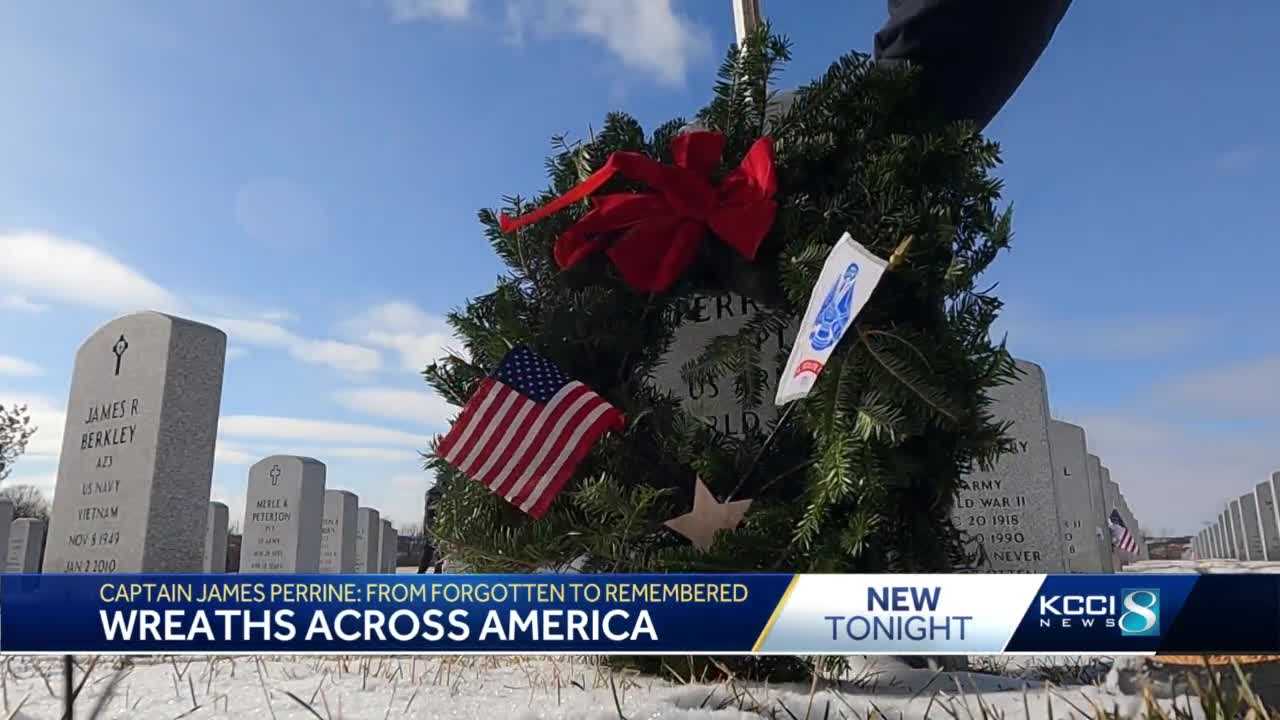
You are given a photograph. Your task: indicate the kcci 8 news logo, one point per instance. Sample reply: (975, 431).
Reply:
(1135, 611)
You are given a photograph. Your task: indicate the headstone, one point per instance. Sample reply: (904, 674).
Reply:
(707, 317)
(1219, 548)
(1236, 517)
(1252, 530)
(368, 540)
(390, 547)
(26, 545)
(137, 451)
(1131, 522)
(1268, 520)
(1097, 500)
(6, 521)
(338, 532)
(215, 539)
(1228, 535)
(1012, 511)
(1071, 475)
(282, 513)
(1111, 496)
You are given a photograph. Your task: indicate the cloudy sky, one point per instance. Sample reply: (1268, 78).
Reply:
(304, 175)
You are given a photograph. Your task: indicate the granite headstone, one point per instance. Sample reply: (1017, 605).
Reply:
(390, 547)
(6, 521)
(1071, 474)
(368, 540)
(282, 513)
(1236, 518)
(1098, 503)
(137, 452)
(1269, 523)
(1228, 535)
(1012, 511)
(215, 539)
(26, 545)
(338, 533)
(1252, 528)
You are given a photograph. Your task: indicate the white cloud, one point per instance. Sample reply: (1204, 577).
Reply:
(1241, 391)
(235, 352)
(400, 498)
(232, 454)
(50, 419)
(646, 35)
(21, 303)
(42, 265)
(10, 365)
(423, 408)
(342, 356)
(414, 10)
(321, 432)
(1044, 335)
(45, 482)
(419, 337)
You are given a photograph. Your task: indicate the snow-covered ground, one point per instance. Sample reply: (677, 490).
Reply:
(515, 688)
(1203, 566)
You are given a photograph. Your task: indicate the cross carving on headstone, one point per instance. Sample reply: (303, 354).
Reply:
(275, 474)
(118, 349)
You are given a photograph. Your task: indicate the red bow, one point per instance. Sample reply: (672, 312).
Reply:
(659, 231)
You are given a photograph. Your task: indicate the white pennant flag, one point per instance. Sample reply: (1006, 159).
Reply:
(848, 277)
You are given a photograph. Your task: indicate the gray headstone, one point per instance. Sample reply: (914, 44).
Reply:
(137, 453)
(1228, 535)
(1097, 500)
(1012, 511)
(338, 533)
(1111, 496)
(282, 513)
(715, 403)
(368, 540)
(1131, 522)
(215, 539)
(6, 520)
(1237, 528)
(1269, 521)
(26, 545)
(390, 546)
(1075, 510)
(1252, 532)
(1215, 536)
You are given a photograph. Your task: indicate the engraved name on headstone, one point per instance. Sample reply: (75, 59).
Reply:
(1071, 475)
(1012, 511)
(1269, 521)
(215, 539)
(1098, 508)
(368, 540)
(390, 546)
(715, 403)
(137, 452)
(338, 532)
(26, 544)
(1252, 530)
(282, 514)
(6, 521)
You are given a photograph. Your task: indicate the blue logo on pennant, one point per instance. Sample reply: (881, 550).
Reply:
(1141, 616)
(836, 309)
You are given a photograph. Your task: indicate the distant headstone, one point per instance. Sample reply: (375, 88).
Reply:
(338, 532)
(1131, 522)
(137, 451)
(1236, 517)
(368, 540)
(6, 521)
(26, 545)
(1012, 511)
(282, 513)
(1269, 521)
(716, 404)
(1075, 510)
(1215, 535)
(1228, 535)
(215, 539)
(1111, 496)
(1097, 500)
(390, 547)
(1252, 529)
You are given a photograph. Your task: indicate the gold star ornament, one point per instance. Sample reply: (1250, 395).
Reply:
(708, 517)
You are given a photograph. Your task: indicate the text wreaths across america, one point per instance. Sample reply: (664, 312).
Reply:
(525, 429)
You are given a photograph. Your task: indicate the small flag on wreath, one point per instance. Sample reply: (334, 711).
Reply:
(525, 430)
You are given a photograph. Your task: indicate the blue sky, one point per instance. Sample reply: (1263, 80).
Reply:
(305, 175)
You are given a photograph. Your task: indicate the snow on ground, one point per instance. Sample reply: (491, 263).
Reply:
(515, 688)
(1203, 566)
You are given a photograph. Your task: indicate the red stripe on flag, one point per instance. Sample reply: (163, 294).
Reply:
(483, 419)
(540, 463)
(611, 420)
(529, 444)
(492, 431)
(505, 441)
(468, 412)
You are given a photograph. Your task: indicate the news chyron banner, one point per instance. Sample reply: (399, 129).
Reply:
(640, 614)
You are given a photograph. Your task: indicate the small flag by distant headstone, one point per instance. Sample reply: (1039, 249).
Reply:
(1121, 538)
(525, 430)
(848, 277)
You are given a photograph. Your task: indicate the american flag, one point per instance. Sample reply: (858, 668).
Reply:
(525, 430)
(1121, 538)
